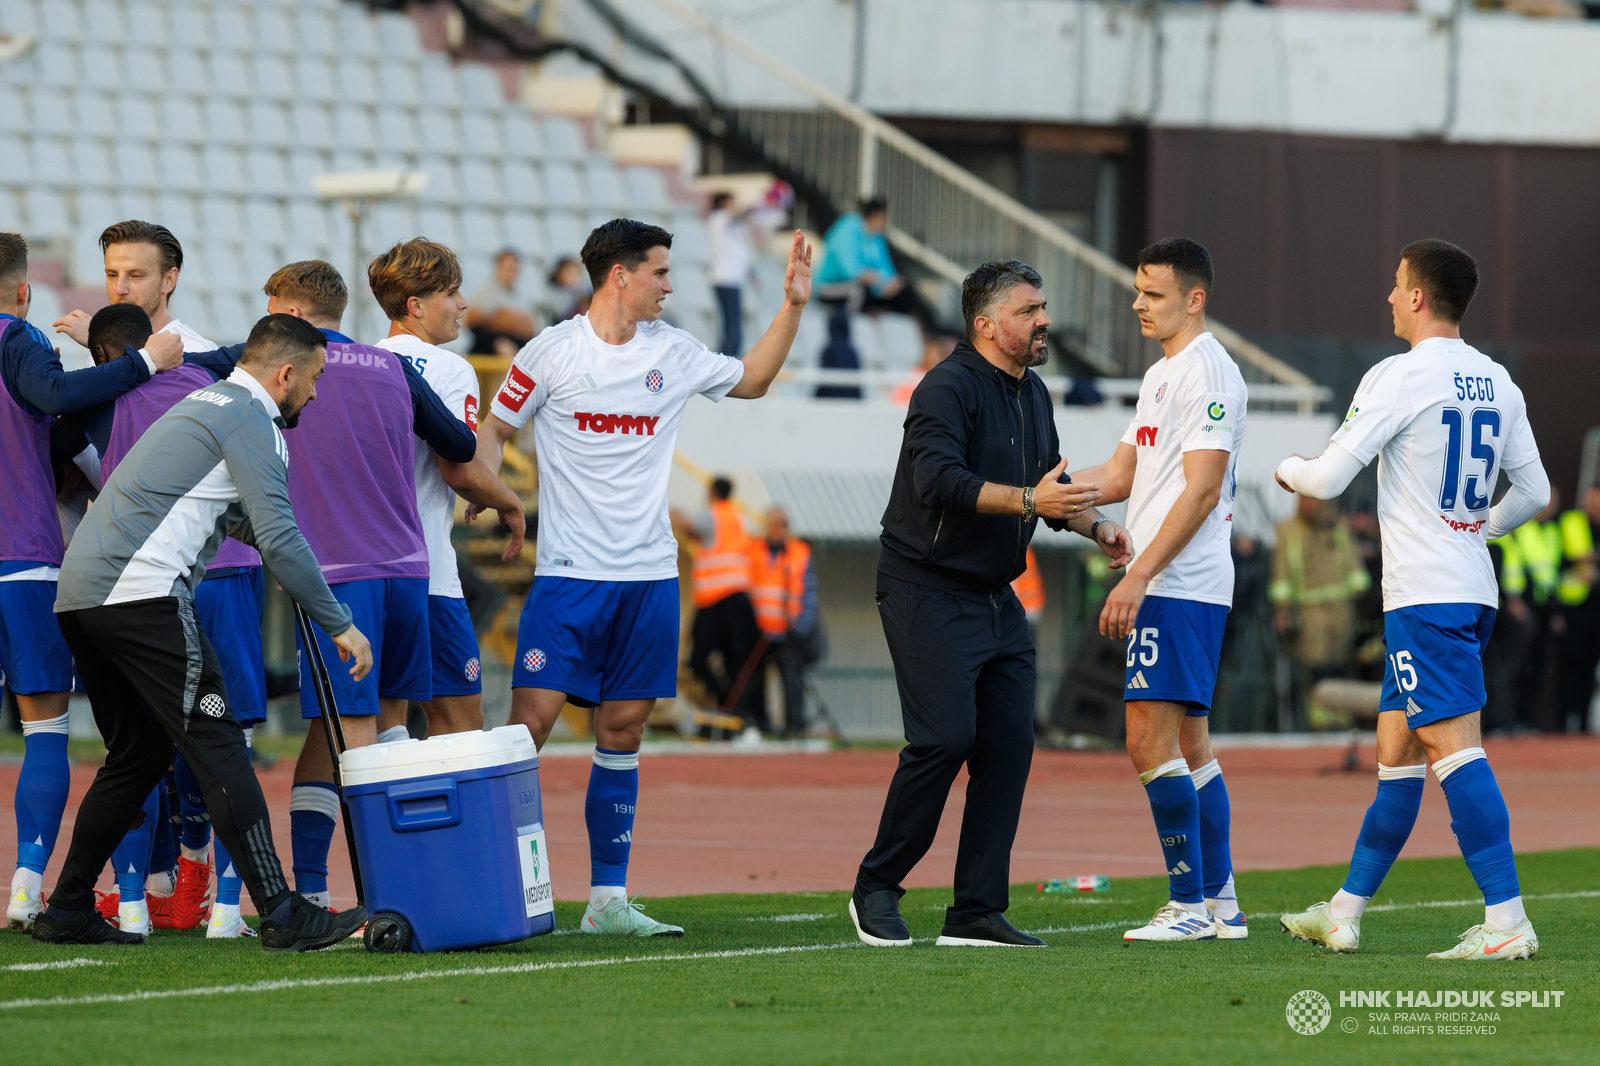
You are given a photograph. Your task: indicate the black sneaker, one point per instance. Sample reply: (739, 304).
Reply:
(877, 918)
(310, 927)
(993, 932)
(86, 928)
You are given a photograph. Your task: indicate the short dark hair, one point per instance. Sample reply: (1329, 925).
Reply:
(1446, 274)
(622, 240)
(1189, 260)
(720, 200)
(872, 206)
(312, 282)
(989, 284)
(721, 488)
(418, 267)
(117, 326)
(13, 256)
(278, 339)
(137, 231)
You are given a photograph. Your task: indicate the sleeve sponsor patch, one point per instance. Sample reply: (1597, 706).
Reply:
(516, 390)
(470, 409)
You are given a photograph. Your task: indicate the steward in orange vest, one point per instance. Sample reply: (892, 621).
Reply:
(1029, 588)
(724, 621)
(783, 588)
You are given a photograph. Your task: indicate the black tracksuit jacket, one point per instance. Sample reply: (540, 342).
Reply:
(968, 423)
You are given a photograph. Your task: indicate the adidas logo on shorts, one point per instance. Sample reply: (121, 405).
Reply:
(1139, 681)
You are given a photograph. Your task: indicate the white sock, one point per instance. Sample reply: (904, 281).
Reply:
(394, 734)
(230, 911)
(25, 876)
(161, 883)
(1504, 917)
(193, 854)
(1345, 905)
(321, 899)
(600, 894)
(1225, 905)
(1193, 908)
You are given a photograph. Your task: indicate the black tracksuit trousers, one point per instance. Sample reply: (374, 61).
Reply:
(966, 674)
(154, 682)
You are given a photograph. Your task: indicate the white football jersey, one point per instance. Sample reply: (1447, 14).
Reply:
(453, 378)
(1193, 401)
(1443, 419)
(605, 421)
(192, 341)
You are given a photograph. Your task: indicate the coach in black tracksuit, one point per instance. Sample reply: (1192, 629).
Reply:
(980, 463)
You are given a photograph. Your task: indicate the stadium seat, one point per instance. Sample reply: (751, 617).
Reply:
(136, 164)
(178, 167)
(147, 26)
(397, 83)
(90, 164)
(224, 122)
(519, 181)
(191, 28)
(185, 72)
(440, 86)
(354, 80)
(313, 31)
(566, 234)
(439, 223)
(96, 211)
(50, 164)
(180, 119)
(480, 230)
(481, 86)
(604, 185)
(356, 36)
(60, 22)
(260, 260)
(444, 181)
(689, 240)
(176, 211)
(308, 223)
(480, 132)
(92, 115)
(352, 127)
(102, 21)
(228, 74)
(312, 79)
(219, 165)
(227, 273)
(438, 130)
(47, 214)
(264, 222)
(397, 130)
(309, 126)
(57, 65)
(194, 308)
(524, 232)
(397, 37)
(522, 137)
(232, 28)
(480, 183)
(273, 31)
(305, 164)
(564, 139)
(19, 16)
(137, 116)
(390, 222)
(562, 187)
(264, 173)
(350, 159)
(87, 266)
(270, 77)
(49, 112)
(16, 165)
(231, 318)
(647, 189)
(265, 124)
(102, 67)
(13, 118)
(219, 218)
(133, 203)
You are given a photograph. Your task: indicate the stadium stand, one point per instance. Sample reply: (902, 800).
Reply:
(212, 118)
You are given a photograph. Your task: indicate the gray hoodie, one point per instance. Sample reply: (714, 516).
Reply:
(214, 465)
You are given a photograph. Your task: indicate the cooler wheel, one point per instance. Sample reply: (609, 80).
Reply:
(388, 933)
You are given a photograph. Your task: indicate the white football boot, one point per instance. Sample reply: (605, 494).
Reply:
(226, 924)
(133, 917)
(1320, 927)
(622, 917)
(26, 900)
(1174, 922)
(1480, 942)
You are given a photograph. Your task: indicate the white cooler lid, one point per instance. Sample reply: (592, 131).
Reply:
(450, 753)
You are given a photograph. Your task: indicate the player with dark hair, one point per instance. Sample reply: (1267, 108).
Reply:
(606, 392)
(143, 261)
(33, 656)
(1443, 420)
(211, 466)
(1177, 467)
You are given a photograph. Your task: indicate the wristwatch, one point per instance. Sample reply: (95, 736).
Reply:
(1027, 505)
(1096, 526)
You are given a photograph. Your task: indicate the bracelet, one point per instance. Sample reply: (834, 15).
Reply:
(1096, 525)
(1027, 505)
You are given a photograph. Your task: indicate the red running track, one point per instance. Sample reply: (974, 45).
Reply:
(790, 823)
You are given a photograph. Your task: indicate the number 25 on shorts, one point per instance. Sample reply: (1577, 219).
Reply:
(1146, 651)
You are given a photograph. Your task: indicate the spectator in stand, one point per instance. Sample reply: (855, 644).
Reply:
(1316, 576)
(570, 291)
(732, 238)
(783, 589)
(500, 320)
(858, 274)
(1580, 613)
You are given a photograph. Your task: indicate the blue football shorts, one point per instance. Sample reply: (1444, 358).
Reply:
(457, 670)
(599, 640)
(1434, 664)
(33, 654)
(1173, 652)
(228, 605)
(393, 614)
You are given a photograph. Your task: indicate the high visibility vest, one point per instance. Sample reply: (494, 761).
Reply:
(723, 565)
(1029, 587)
(1540, 545)
(778, 583)
(1577, 542)
(1513, 572)
(1353, 583)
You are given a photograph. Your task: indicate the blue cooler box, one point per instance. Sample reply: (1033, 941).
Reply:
(431, 816)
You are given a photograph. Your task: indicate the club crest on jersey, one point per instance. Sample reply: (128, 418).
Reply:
(653, 381)
(1162, 391)
(473, 669)
(533, 662)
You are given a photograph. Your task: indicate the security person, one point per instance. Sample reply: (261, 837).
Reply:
(724, 618)
(1316, 577)
(783, 589)
(1580, 611)
(979, 464)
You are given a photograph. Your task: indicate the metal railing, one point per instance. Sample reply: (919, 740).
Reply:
(950, 220)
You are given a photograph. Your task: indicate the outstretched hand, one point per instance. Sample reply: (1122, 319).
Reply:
(1060, 500)
(74, 324)
(797, 276)
(1284, 485)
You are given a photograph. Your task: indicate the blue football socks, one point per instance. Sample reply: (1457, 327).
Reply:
(41, 795)
(608, 812)
(131, 859)
(1384, 832)
(1215, 822)
(313, 814)
(1176, 808)
(1481, 823)
(192, 809)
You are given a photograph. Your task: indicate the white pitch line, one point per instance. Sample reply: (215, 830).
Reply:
(793, 917)
(1591, 894)
(61, 964)
(416, 975)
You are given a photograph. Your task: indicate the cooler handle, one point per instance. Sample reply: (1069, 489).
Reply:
(418, 805)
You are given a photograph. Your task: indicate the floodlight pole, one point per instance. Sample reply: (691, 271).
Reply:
(357, 209)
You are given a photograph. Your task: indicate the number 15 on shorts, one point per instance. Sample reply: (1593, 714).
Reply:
(1146, 651)
(1405, 674)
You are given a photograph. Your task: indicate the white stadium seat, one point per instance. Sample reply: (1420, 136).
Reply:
(102, 67)
(390, 222)
(444, 180)
(439, 223)
(264, 172)
(440, 85)
(647, 189)
(12, 116)
(313, 79)
(352, 128)
(185, 72)
(521, 184)
(270, 76)
(47, 214)
(397, 83)
(219, 218)
(397, 130)
(231, 318)
(308, 125)
(264, 221)
(136, 164)
(60, 21)
(356, 36)
(522, 137)
(565, 234)
(480, 183)
(137, 116)
(50, 112)
(92, 115)
(180, 119)
(313, 31)
(564, 139)
(87, 268)
(308, 222)
(604, 185)
(350, 159)
(219, 166)
(91, 165)
(190, 27)
(19, 16)
(147, 26)
(102, 21)
(480, 230)
(178, 167)
(133, 203)
(16, 165)
(260, 260)
(232, 28)
(397, 36)
(50, 164)
(438, 130)
(481, 86)
(524, 231)
(96, 211)
(562, 187)
(229, 74)
(175, 210)
(224, 122)
(57, 65)
(480, 132)
(274, 32)
(304, 164)
(266, 124)
(354, 80)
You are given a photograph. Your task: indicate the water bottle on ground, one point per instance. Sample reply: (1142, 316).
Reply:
(1081, 883)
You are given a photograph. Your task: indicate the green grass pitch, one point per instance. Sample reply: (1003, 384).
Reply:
(779, 978)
